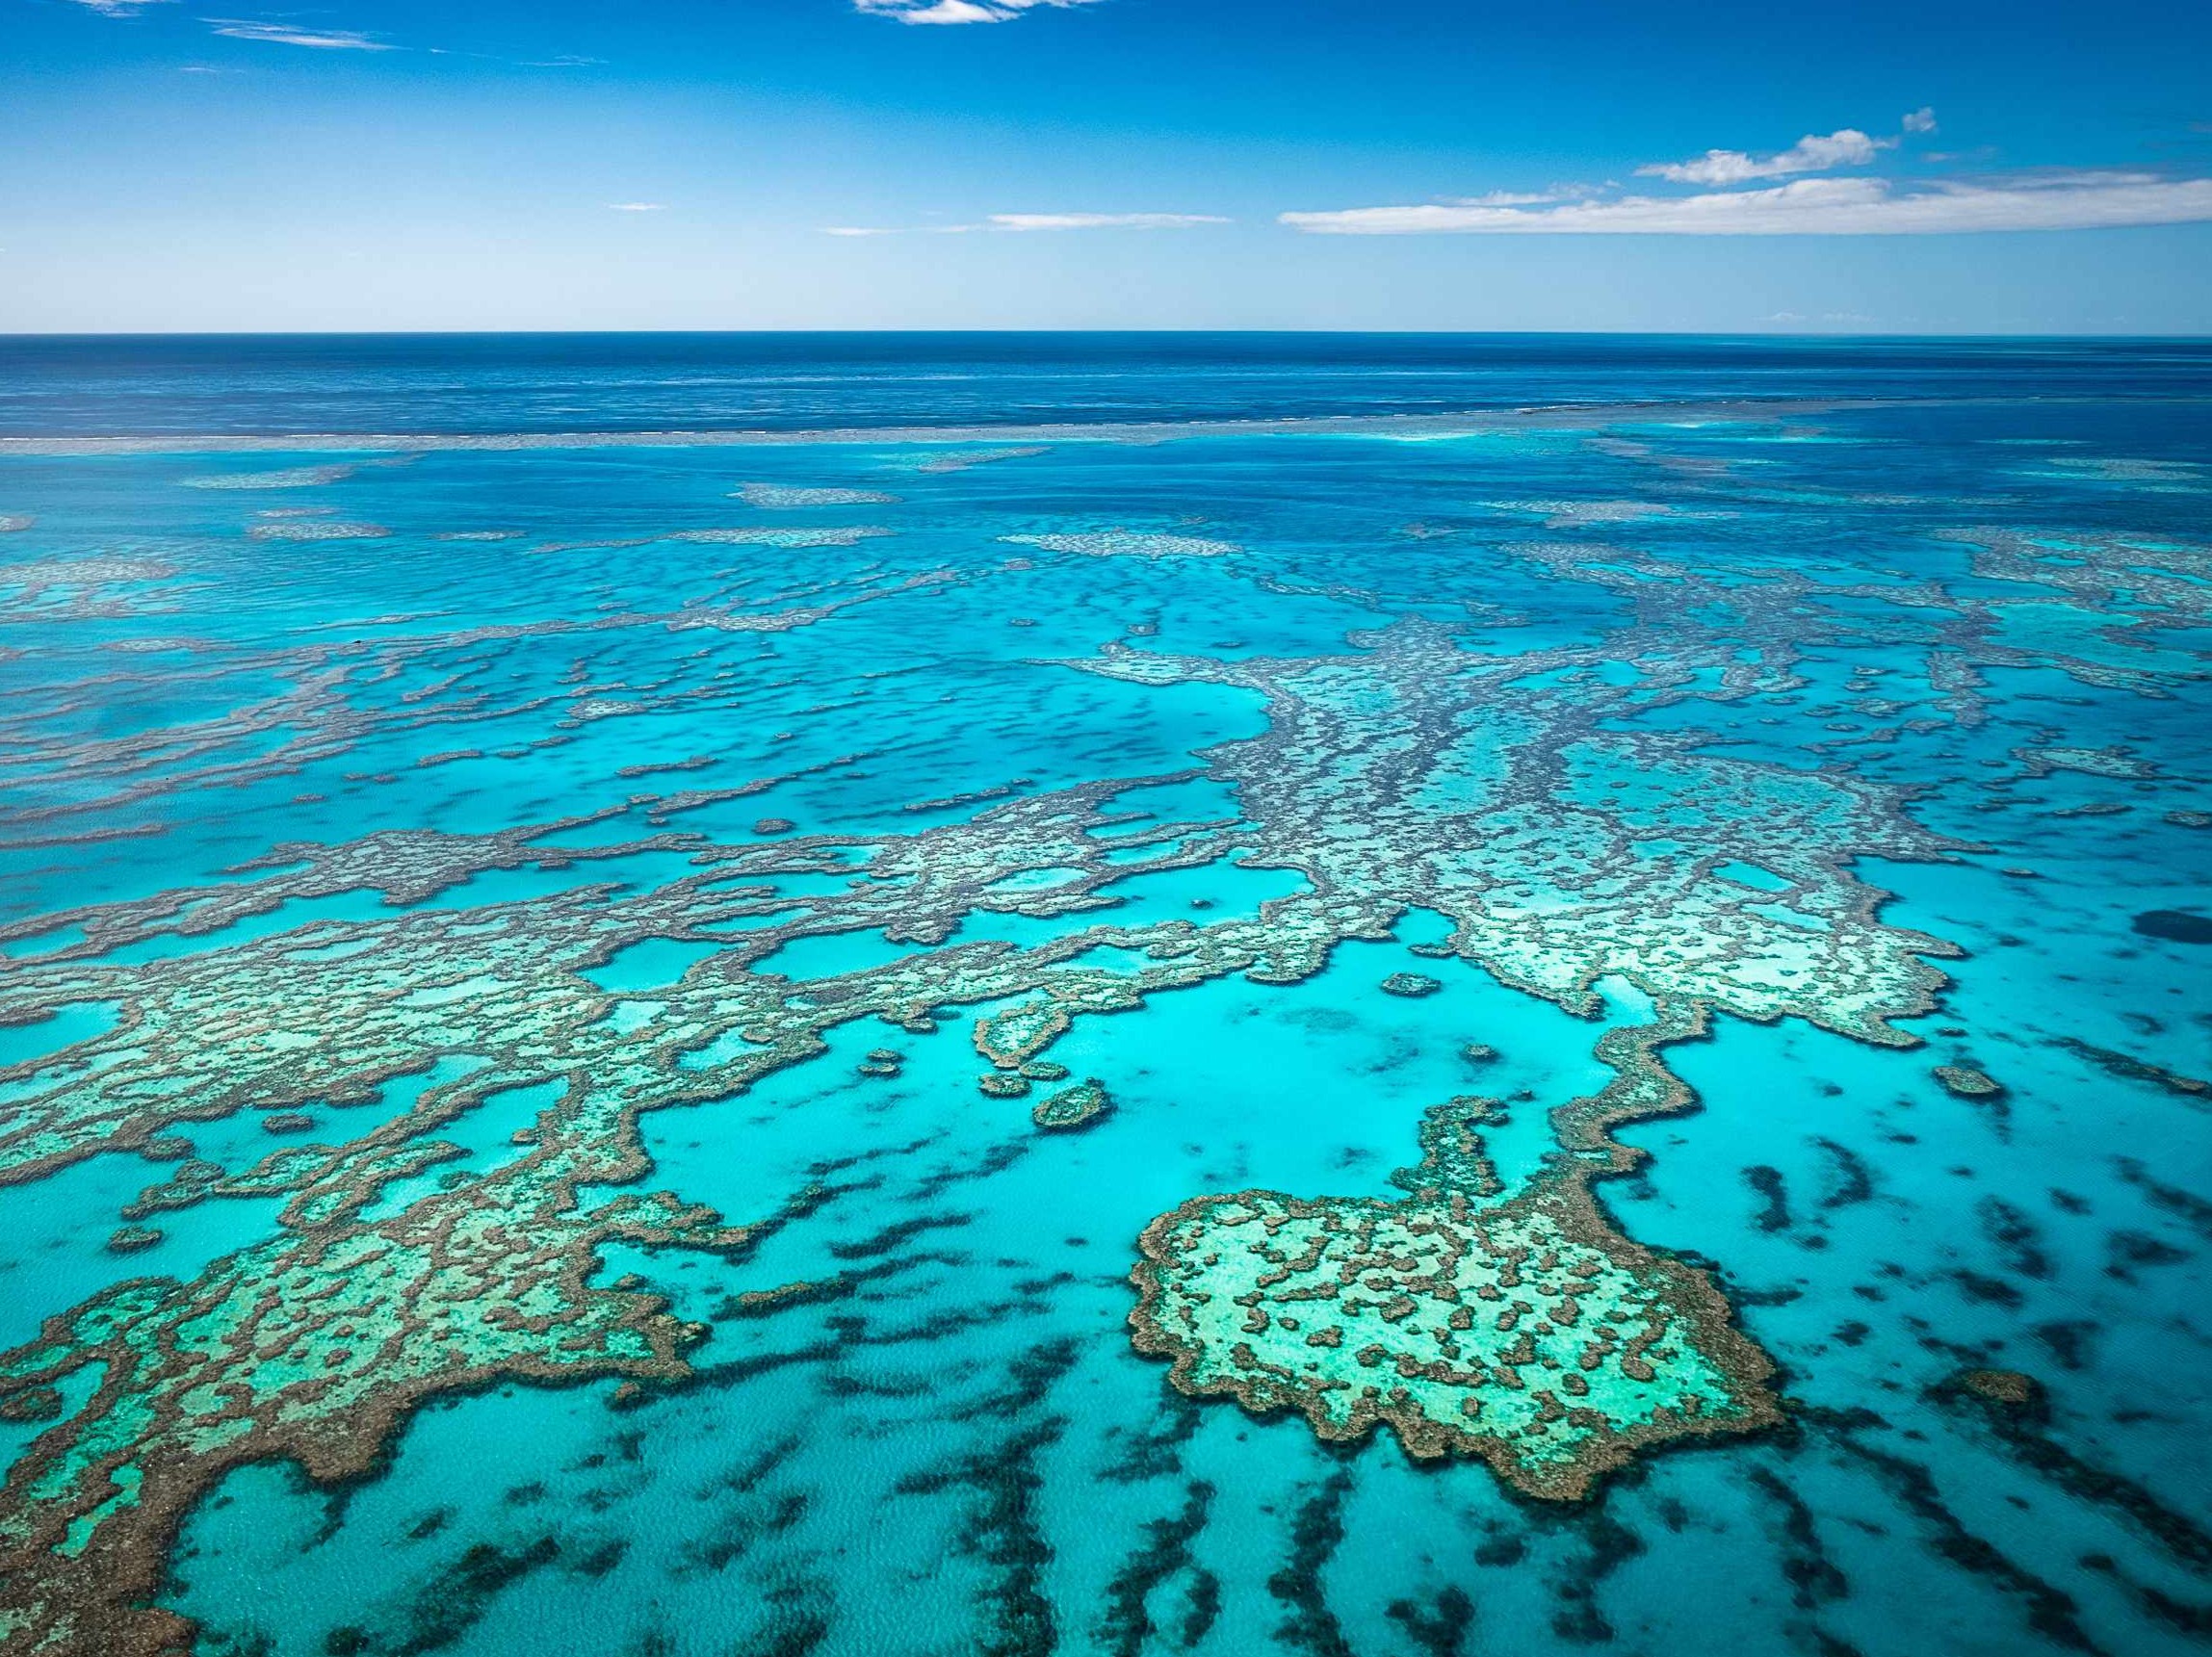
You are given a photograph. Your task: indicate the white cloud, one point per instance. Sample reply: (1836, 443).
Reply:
(1847, 147)
(1101, 220)
(2080, 200)
(1517, 197)
(956, 11)
(1814, 152)
(115, 8)
(1026, 221)
(286, 35)
(636, 207)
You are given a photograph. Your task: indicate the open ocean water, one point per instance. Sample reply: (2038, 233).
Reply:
(706, 995)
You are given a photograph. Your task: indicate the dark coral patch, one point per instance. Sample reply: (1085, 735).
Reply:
(2175, 926)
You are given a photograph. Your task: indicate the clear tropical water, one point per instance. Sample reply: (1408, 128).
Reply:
(1637, 911)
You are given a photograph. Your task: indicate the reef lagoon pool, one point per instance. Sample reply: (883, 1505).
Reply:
(708, 996)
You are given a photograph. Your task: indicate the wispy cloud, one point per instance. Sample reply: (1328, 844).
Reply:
(115, 8)
(1814, 152)
(1024, 222)
(1101, 220)
(636, 207)
(289, 35)
(956, 11)
(1846, 146)
(2065, 201)
(1520, 198)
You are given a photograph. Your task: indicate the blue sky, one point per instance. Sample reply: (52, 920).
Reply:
(1406, 164)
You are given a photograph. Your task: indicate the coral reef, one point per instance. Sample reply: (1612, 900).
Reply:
(1552, 812)
(1524, 1329)
(1075, 1107)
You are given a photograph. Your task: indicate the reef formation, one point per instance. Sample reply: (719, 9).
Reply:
(1524, 1329)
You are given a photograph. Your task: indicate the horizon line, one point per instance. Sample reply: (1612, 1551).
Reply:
(1760, 333)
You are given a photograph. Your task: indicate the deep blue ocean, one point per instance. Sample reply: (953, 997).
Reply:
(711, 995)
(494, 384)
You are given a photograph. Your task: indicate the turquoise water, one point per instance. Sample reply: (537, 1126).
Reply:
(422, 851)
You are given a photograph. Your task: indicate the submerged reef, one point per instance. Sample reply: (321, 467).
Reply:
(782, 497)
(314, 1343)
(1968, 1082)
(2008, 1389)
(1126, 544)
(1412, 775)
